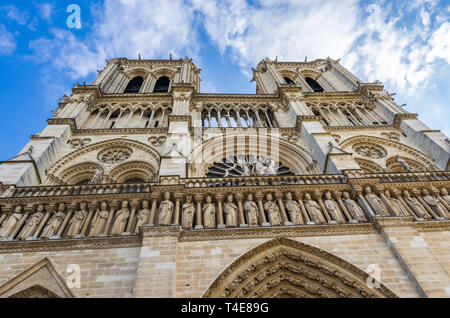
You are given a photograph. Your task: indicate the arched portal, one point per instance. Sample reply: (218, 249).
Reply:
(287, 268)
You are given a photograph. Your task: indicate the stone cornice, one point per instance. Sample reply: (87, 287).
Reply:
(352, 128)
(69, 244)
(119, 131)
(219, 234)
(401, 117)
(63, 121)
(274, 232)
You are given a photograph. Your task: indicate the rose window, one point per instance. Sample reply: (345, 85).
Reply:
(247, 165)
(114, 155)
(370, 151)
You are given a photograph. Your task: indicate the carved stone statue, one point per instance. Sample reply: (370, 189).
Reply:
(244, 166)
(32, 223)
(143, 215)
(251, 211)
(165, 210)
(99, 222)
(403, 163)
(396, 205)
(353, 208)
(333, 208)
(231, 212)
(10, 222)
(259, 167)
(273, 211)
(435, 204)
(314, 211)
(98, 176)
(293, 209)
(378, 207)
(415, 206)
(209, 214)
(121, 219)
(271, 168)
(445, 196)
(188, 209)
(55, 222)
(77, 221)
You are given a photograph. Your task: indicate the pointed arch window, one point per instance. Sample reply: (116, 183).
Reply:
(289, 81)
(134, 86)
(314, 85)
(162, 85)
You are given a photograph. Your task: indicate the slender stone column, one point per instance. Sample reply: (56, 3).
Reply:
(92, 208)
(242, 222)
(338, 196)
(397, 195)
(284, 216)
(262, 215)
(386, 203)
(134, 207)
(318, 197)
(151, 219)
(363, 203)
(176, 217)
(71, 209)
(198, 219)
(42, 224)
(303, 209)
(114, 206)
(220, 222)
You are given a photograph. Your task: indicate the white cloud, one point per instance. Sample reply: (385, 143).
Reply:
(7, 41)
(16, 15)
(287, 29)
(440, 43)
(124, 28)
(45, 10)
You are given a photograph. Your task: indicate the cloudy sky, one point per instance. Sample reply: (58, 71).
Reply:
(404, 44)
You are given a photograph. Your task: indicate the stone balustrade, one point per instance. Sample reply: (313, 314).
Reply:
(411, 176)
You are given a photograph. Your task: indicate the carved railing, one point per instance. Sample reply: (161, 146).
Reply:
(412, 176)
(263, 181)
(77, 190)
(55, 212)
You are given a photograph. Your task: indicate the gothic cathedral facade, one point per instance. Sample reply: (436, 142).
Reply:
(318, 185)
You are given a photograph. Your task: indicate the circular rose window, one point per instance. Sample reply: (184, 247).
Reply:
(114, 155)
(370, 151)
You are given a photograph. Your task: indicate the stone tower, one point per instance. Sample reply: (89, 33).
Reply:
(318, 185)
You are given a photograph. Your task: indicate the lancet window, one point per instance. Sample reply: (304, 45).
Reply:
(125, 116)
(347, 114)
(239, 116)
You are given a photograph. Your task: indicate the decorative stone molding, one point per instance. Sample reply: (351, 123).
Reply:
(309, 271)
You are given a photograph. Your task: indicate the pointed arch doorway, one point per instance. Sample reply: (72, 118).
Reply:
(286, 268)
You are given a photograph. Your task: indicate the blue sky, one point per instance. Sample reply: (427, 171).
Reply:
(404, 44)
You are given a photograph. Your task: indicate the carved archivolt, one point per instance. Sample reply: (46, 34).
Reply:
(75, 174)
(368, 166)
(286, 268)
(133, 170)
(405, 151)
(298, 159)
(394, 166)
(80, 164)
